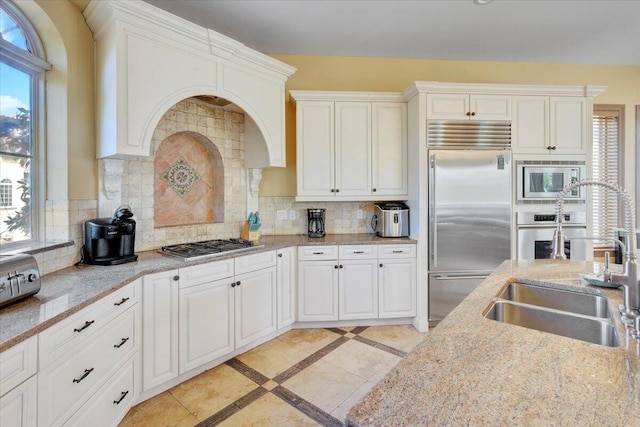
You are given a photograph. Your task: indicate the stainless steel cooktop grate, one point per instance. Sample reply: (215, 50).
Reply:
(207, 248)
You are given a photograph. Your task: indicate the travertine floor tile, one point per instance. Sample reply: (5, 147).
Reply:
(211, 391)
(273, 357)
(396, 336)
(309, 340)
(269, 410)
(359, 359)
(162, 410)
(324, 384)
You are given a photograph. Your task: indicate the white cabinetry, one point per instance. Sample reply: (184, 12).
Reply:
(160, 324)
(255, 305)
(19, 384)
(554, 125)
(286, 286)
(397, 281)
(460, 106)
(348, 149)
(101, 348)
(362, 282)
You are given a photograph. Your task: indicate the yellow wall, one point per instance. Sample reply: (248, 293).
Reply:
(375, 74)
(78, 75)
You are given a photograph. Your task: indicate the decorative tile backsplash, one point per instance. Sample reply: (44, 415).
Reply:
(181, 177)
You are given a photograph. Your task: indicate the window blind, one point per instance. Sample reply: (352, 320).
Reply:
(606, 167)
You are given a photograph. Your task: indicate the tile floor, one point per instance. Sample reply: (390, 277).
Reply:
(306, 377)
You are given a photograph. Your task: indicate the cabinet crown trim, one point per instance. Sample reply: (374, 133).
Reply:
(500, 89)
(345, 96)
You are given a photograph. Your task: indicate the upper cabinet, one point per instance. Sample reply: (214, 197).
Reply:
(462, 106)
(350, 148)
(549, 124)
(147, 60)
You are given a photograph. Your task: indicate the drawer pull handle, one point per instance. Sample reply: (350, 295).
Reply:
(122, 396)
(318, 253)
(124, 340)
(358, 252)
(86, 325)
(86, 373)
(398, 252)
(122, 301)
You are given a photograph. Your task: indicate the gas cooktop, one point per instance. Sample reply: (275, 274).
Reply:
(207, 248)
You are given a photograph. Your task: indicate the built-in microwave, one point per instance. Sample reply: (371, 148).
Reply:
(545, 180)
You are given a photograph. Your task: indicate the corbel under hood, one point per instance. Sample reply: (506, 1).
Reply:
(148, 59)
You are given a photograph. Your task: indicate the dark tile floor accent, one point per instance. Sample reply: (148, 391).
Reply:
(286, 395)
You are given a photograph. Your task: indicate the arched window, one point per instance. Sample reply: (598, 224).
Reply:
(6, 193)
(22, 69)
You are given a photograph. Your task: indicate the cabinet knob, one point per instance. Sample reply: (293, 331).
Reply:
(233, 285)
(337, 190)
(279, 255)
(553, 147)
(374, 189)
(473, 113)
(176, 278)
(468, 113)
(238, 283)
(333, 190)
(381, 265)
(341, 266)
(335, 266)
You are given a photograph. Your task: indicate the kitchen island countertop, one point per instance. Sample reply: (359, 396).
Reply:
(67, 291)
(475, 371)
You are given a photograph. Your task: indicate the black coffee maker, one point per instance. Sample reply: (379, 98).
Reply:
(110, 241)
(316, 222)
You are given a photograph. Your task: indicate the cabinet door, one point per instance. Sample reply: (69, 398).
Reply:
(160, 328)
(18, 408)
(315, 148)
(389, 149)
(206, 323)
(453, 106)
(255, 305)
(286, 276)
(397, 288)
(568, 125)
(353, 148)
(490, 107)
(317, 290)
(530, 126)
(358, 289)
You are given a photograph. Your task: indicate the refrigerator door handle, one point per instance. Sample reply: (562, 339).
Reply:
(461, 276)
(433, 236)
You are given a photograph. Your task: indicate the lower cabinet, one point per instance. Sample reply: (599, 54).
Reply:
(286, 286)
(397, 283)
(18, 407)
(358, 289)
(255, 305)
(317, 291)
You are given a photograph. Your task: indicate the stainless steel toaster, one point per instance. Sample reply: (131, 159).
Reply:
(391, 219)
(19, 277)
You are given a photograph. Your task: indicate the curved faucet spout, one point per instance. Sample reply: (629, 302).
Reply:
(630, 272)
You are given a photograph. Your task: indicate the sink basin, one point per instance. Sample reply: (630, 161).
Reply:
(571, 314)
(574, 302)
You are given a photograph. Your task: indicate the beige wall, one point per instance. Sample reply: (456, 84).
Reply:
(79, 125)
(373, 74)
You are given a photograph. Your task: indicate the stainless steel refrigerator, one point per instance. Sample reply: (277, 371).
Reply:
(469, 222)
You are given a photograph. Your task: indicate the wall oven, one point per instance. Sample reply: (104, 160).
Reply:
(540, 180)
(535, 235)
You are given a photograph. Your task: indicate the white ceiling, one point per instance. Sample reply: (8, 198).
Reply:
(550, 31)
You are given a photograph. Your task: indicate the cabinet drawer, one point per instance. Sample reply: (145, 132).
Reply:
(199, 274)
(317, 253)
(247, 263)
(396, 251)
(358, 252)
(64, 386)
(109, 405)
(18, 363)
(63, 336)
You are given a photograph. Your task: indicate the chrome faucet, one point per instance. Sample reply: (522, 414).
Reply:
(630, 277)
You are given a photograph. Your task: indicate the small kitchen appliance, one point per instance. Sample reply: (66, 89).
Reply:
(19, 277)
(544, 180)
(110, 241)
(391, 219)
(316, 222)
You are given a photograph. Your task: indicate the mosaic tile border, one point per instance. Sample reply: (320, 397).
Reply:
(283, 393)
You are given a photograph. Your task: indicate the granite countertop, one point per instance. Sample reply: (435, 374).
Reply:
(71, 289)
(470, 370)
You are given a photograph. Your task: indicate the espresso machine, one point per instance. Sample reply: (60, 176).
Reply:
(110, 241)
(316, 222)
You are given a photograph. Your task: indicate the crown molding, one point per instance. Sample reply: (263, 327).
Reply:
(501, 89)
(345, 96)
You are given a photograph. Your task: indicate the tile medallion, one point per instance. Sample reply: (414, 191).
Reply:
(181, 177)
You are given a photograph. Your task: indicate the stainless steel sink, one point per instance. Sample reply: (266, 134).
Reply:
(574, 302)
(572, 314)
